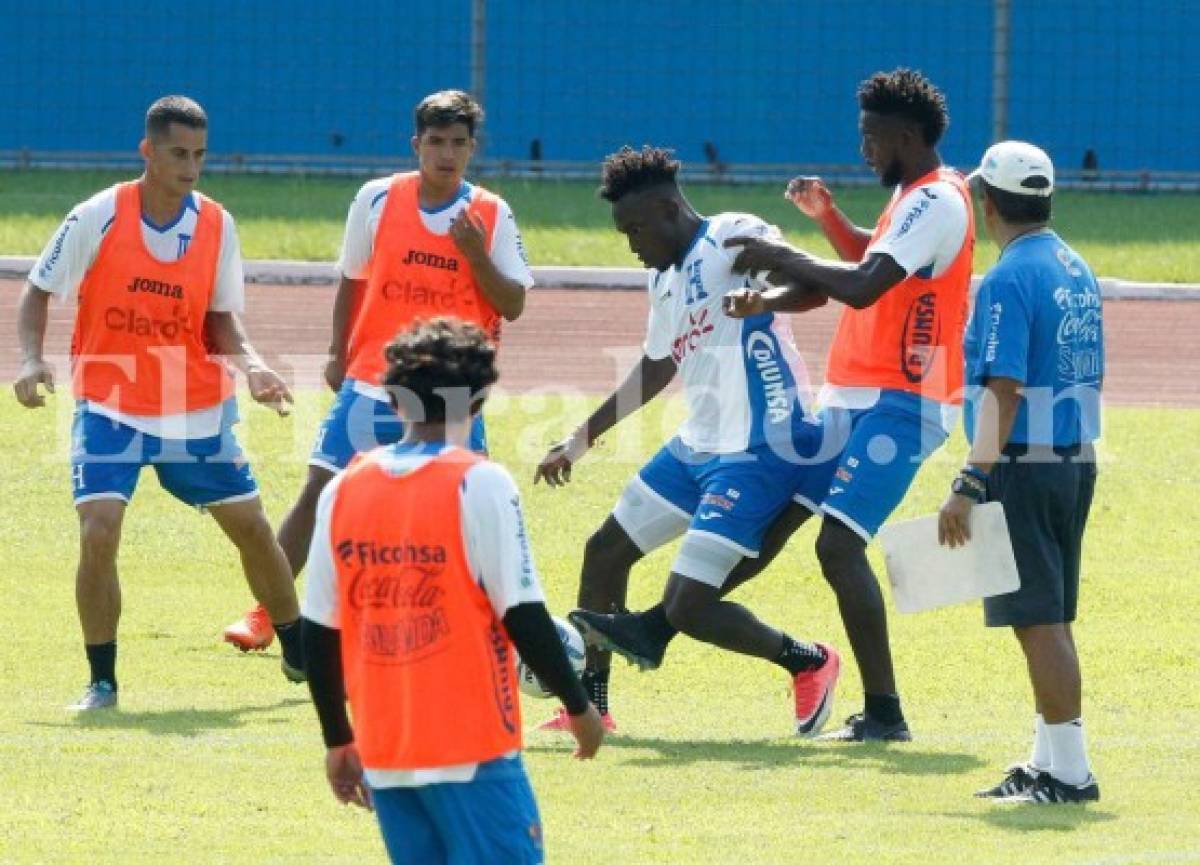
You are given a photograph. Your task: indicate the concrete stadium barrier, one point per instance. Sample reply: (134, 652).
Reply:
(271, 272)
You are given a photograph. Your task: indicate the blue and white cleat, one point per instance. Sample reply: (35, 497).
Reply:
(99, 695)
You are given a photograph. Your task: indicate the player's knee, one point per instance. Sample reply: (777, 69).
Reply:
(253, 532)
(610, 547)
(682, 612)
(310, 493)
(99, 535)
(838, 551)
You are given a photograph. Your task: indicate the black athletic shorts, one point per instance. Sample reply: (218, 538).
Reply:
(1046, 496)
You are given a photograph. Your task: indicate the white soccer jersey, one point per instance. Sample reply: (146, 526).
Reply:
(362, 222)
(743, 379)
(931, 231)
(72, 250)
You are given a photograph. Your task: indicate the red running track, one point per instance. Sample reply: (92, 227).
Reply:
(574, 338)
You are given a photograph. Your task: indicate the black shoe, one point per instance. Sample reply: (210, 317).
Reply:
(864, 728)
(1020, 779)
(622, 633)
(294, 673)
(1048, 790)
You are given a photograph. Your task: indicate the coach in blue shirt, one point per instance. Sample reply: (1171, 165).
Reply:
(1034, 352)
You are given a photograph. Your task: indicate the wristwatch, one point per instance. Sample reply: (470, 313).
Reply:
(964, 485)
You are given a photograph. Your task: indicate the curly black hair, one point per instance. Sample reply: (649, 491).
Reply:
(432, 361)
(909, 94)
(630, 170)
(447, 107)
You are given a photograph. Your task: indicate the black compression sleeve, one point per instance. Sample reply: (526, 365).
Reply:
(537, 643)
(323, 664)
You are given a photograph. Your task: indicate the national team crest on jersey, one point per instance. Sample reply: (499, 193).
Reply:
(695, 282)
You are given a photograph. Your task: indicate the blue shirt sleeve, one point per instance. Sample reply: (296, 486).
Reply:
(1007, 321)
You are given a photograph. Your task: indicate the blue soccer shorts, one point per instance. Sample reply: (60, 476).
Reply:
(731, 499)
(881, 449)
(492, 818)
(107, 457)
(357, 423)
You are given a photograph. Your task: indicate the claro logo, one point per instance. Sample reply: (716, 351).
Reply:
(413, 294)
(920, 337)
(136, 322)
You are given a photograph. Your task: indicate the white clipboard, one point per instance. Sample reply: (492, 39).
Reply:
(926, 575)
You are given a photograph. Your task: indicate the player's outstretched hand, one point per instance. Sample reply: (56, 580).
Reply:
(555, 467)
(335, 373)
(33, 373)
(344, 770)
(268, 388)
(954, 528)
(760, 254)
(588, 730)
(469, 234)
(810, 195)
(743, 303)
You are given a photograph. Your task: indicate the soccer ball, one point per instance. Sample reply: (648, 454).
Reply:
(572, 644)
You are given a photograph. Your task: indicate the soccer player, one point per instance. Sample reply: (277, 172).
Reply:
(157, 271)
(420, 583)
(416, 245)
(894, 376)
(1035, 364)
(735, 463)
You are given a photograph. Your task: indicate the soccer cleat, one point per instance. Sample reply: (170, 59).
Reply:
(293, 674)
(1020, 779)
(623, 634)
(1048, 790)
(560, 723)
(813, 690)
(252, 632)
(863, 728)
(99, 695)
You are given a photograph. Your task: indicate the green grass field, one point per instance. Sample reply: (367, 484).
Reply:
(213, 758)
(1140, 237)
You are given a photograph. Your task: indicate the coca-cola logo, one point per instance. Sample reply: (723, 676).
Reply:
(411, 588)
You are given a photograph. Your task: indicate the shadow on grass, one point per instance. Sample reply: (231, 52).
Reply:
(1034, 818)
(172, 722)
(889, 759)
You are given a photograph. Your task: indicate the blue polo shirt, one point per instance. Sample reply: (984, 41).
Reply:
(1038, 319)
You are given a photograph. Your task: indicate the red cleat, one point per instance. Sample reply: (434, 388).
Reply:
(814, 693)
(253, 632)
(559, 723)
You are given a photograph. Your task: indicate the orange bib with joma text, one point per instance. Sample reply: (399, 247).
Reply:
(911, 338)
(414, 275)
(429, 668)
(139, 344)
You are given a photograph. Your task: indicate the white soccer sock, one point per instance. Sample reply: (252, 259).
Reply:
(1068, 753)
(1039, 758)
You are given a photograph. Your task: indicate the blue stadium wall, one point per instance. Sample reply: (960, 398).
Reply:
(765, 82)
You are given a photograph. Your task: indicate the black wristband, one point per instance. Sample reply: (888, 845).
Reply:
(965, 485)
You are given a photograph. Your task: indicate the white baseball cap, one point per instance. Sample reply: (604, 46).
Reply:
(1017, 167)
